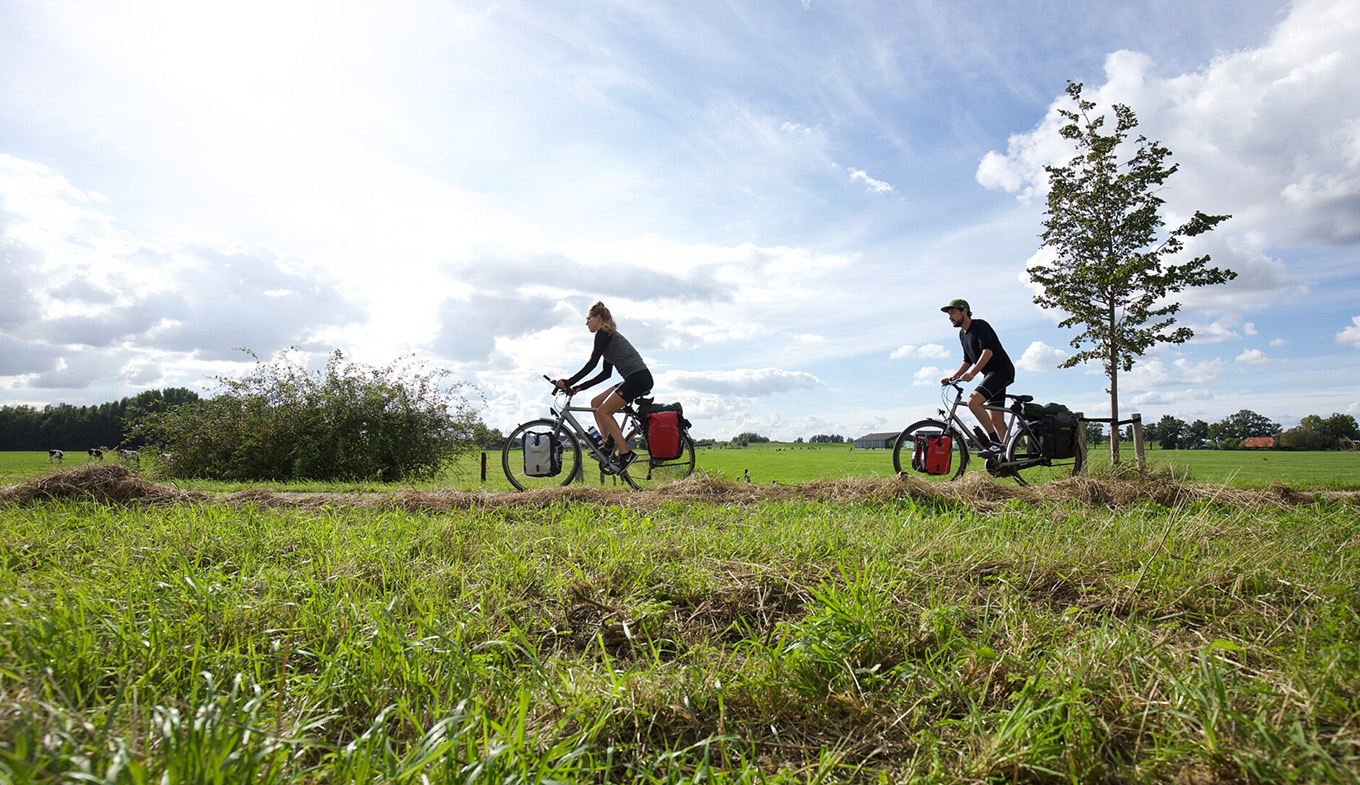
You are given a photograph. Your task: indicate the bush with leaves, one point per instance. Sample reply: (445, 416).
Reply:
(346, 422)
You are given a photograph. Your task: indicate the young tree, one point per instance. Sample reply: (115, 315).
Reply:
(1113, 274)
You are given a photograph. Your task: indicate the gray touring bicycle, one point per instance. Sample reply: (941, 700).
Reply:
(1028, 454)
(569, 439)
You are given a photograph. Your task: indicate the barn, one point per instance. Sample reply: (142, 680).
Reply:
(876, 441)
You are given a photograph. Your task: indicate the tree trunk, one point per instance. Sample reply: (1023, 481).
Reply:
(1113, 361)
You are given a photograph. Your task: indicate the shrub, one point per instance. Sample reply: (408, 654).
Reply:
(347, 422)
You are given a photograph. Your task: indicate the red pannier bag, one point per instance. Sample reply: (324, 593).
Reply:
(933, 454)
(663, 435)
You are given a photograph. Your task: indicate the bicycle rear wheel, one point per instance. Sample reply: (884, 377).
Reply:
(512, 456)
(1029, 465)
(646, 472)
(905, 448)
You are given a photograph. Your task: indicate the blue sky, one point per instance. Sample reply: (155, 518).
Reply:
(774, 198)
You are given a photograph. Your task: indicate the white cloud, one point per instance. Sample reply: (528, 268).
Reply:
(1350, 335)
(1039, 357)
(1153, 373)
(929, 351)
(1171, 398)
(746, 382)
(875, 186)
(1267, 135)
(928, 376)
(1254, 357)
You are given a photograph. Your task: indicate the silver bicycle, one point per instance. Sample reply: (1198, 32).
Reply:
(571, 439)
(1026, 455)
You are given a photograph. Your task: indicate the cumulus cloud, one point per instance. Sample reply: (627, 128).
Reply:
(1171, 397)
(928, 376)
(929, 351)
(1264, 134)
(1155, 373)
(746, 382)
(492, 272)
(468, 328)
(874, 186)
(1039, 356)
(74, 282)
(1253, 357)
(1350, 335)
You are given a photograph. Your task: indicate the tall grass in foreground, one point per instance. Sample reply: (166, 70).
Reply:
(781, 642)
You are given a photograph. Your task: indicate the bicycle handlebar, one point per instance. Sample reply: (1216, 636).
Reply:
(558, 390)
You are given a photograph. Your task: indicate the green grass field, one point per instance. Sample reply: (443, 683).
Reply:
(579, 637)
(800, 463)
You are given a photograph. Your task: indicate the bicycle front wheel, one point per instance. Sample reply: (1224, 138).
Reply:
(523, 474)
(905, 449)
(1027, 462)
(647, 472)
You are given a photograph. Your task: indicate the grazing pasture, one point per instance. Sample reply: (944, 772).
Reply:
(839, 631)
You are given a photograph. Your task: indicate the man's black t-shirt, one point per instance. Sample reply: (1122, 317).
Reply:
(980, 336)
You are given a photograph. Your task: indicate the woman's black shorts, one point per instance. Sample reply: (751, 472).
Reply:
(634, 384)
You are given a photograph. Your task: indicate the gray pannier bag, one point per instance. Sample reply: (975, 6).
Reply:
(540, 457)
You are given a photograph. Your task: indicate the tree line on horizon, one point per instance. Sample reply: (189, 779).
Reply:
(63, 426)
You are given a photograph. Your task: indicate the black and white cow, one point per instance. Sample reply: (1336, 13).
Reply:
(55, 456)
(96, 453)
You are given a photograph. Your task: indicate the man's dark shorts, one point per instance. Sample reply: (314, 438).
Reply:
(993, 387)
(634, 385)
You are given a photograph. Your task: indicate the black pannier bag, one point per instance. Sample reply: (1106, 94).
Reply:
(1057, 427)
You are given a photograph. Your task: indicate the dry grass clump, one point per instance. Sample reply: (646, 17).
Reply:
(101, 483)
(115, 484)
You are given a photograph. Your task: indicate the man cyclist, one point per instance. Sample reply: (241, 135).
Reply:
(982, 354)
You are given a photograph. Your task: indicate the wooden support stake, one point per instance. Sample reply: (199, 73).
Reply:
(1138, 441)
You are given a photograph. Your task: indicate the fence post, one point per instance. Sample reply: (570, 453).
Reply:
(483, 465)
(1138, 441)
(1081, 438)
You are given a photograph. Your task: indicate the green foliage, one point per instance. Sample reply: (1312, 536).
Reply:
(1242, 425)
(1337, 432)
(1112, 276)
(78, 428)
(823, 438)
(346, 422)
(750, 437)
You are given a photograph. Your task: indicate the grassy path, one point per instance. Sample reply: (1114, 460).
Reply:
(582, 638)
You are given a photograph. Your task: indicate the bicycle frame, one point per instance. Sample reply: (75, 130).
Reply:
(563, 417)
(951, 417)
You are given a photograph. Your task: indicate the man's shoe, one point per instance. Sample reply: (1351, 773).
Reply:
(608, 447)
(623, 461)
(992, 450)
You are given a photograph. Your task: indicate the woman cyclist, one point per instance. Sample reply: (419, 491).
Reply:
(616, 351)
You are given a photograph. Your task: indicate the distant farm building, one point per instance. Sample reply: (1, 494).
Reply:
(1258, 443)
(876, 441)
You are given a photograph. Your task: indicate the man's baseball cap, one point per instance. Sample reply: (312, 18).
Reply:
(962, 305)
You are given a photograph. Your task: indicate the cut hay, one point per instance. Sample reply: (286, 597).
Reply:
(115, 484)
(99, 483)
